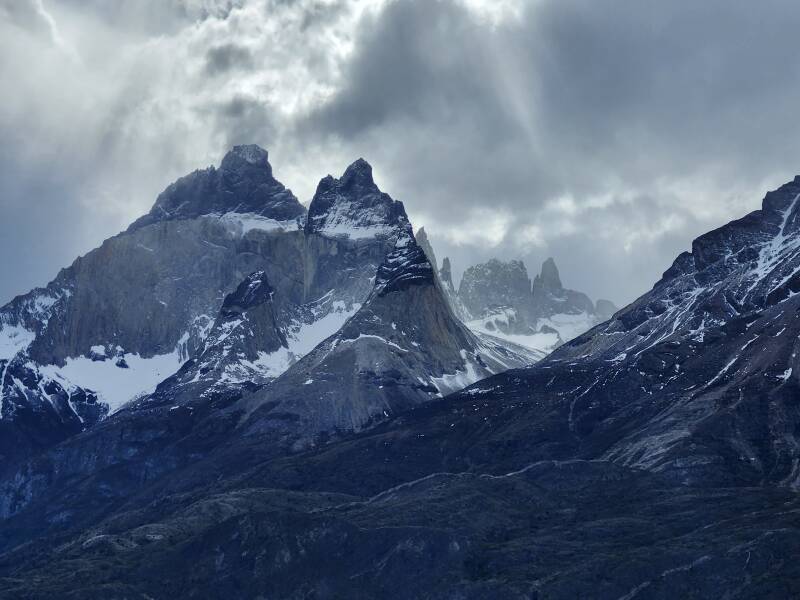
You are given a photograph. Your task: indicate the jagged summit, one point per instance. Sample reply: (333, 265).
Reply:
(358, 174)
(422, 239)
(495, 284)
(250, 154)
(243, 184)
(550, 297)
(354, 207)
(549, 277)
(446, 272)
(446, 280)
(499, 299)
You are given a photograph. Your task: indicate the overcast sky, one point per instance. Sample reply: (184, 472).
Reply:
(605, 134)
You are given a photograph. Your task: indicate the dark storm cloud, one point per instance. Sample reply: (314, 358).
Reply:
(227, 57)
(607, 135)
(630, 102)
(241, 119)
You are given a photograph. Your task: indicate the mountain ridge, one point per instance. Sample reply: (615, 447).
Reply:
(654, 455)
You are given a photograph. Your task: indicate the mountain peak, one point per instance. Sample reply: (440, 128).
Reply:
(549, 277)
(242, 184)
(251, 154)
(446, 270)
(493, 284)
(424, 243)
(354, 207)
(358, 173)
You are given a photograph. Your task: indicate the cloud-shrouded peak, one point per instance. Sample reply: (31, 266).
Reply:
(250, 154)
(243, 184)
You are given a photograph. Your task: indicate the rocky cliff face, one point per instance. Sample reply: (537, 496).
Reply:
(494, 285)
(127, 315)
(403, 348)
(551, 298)
(351, 228)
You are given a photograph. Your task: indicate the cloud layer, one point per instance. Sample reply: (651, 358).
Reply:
(607, 136)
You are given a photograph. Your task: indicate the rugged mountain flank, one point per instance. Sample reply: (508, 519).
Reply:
(403, 348)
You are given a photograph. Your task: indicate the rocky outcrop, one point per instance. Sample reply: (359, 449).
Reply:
(549, 297)
(353, 207)
(495, 284)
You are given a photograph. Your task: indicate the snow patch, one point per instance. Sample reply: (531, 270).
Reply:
(568, 326)
(14, 339)
(543, 343)
(349, 220)
(114, 385)
(242, 223)
(268, 365)
(375, 337)
(304, 337)
(453, 382)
